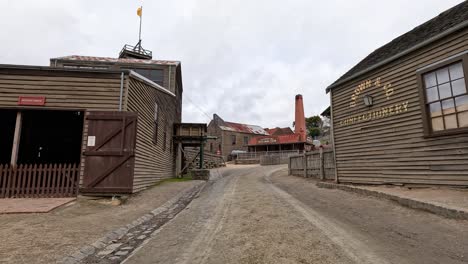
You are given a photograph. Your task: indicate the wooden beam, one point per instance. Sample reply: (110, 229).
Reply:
(16, 139)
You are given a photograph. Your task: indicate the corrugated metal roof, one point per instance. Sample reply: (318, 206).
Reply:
(279, 131)
(116, 60)
(243, 128)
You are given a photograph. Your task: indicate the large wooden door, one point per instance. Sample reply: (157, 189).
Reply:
(110, 152)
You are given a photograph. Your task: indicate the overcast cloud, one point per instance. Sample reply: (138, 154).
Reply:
(244, 59)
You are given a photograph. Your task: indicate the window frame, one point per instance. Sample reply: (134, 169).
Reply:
(233, 139)
(427, 124)
(246, 142)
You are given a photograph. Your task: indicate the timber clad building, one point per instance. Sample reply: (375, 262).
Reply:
(400, 116)
(110, 120)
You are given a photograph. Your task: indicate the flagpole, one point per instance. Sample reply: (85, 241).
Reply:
(141, 18)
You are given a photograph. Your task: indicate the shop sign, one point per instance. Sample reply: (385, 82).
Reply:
(266, 140)
(32, 100)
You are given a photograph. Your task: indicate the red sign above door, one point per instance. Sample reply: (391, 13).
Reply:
(32, 100)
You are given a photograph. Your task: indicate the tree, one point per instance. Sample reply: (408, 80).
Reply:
(316, 126)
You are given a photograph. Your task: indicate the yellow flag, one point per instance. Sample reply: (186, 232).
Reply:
(139, 11)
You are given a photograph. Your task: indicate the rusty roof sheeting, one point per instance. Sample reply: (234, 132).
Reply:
(243, 128)
(116, 60)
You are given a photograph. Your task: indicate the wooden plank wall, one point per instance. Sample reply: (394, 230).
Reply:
(63, 90)
(393, 149)
(153, 161)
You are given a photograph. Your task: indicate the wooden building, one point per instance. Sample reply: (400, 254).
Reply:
(230, 136)
(111, 124)
(400, 116)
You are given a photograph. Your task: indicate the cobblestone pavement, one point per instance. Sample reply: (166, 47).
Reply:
(256, 214)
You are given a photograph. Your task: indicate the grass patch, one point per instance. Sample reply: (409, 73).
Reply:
(186, 177)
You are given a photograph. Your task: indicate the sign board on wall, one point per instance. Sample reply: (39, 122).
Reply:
(32, 100)
(91, 141)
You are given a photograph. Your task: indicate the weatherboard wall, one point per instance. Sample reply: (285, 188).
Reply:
(155, 156)
(63, 90)
(391, 147)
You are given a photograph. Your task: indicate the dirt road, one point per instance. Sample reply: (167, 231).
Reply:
(258, 214)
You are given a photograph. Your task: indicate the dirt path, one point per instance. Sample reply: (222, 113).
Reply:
(46, 238)
(248, 216)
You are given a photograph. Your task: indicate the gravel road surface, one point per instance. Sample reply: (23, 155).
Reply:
(254, 214)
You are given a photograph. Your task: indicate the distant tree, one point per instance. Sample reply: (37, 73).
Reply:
(314, 121)
(314, 125)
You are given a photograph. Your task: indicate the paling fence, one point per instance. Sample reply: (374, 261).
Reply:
(258, 155)
(39, 180)
(318, 164)
(276, 158)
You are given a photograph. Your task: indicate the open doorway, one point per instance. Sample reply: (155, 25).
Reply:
(51, 137)
(7, 133)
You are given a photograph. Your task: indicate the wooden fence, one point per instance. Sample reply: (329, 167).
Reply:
(39, 180)
(277, 158)
(318, 164)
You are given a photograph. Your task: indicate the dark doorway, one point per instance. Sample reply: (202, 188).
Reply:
(49, 137)
(7, 132)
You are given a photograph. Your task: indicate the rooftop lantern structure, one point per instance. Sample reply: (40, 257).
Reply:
(137, 51)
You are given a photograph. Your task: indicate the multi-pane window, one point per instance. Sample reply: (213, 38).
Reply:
(246, 140)
(447, 97)
(233, 139)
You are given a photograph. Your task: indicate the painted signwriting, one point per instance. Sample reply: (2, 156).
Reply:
(267, 140)
(367, 84)
(376, 114)
(32, 100)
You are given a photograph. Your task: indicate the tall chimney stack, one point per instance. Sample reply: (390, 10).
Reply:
(300, 127)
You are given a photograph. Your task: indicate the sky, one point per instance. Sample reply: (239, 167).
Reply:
(242, 59)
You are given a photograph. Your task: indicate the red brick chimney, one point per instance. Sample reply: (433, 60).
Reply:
(300, 127)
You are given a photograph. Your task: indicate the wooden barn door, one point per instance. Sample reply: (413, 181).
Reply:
(110, 152)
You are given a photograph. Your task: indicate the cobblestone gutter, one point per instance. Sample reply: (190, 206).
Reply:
(120, 243)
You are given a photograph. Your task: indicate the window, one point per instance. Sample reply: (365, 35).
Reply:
(246, 140)
(156, 120)
(446, 97)
(155, 75)
(211, 147)
(233, 139)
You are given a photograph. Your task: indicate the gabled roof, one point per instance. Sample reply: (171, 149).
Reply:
(116, 60)
(243, 128)
(449, 21)
(279, 131)
(238, 127)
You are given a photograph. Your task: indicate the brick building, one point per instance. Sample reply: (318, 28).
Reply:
(230, 136)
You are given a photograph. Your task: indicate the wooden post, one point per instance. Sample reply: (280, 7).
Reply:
(179, 160)
(322, 165)
(304, 164)
(16, 139)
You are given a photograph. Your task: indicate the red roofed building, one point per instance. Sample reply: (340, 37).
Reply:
(284, 139)
(230, 136)
(279, 131)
